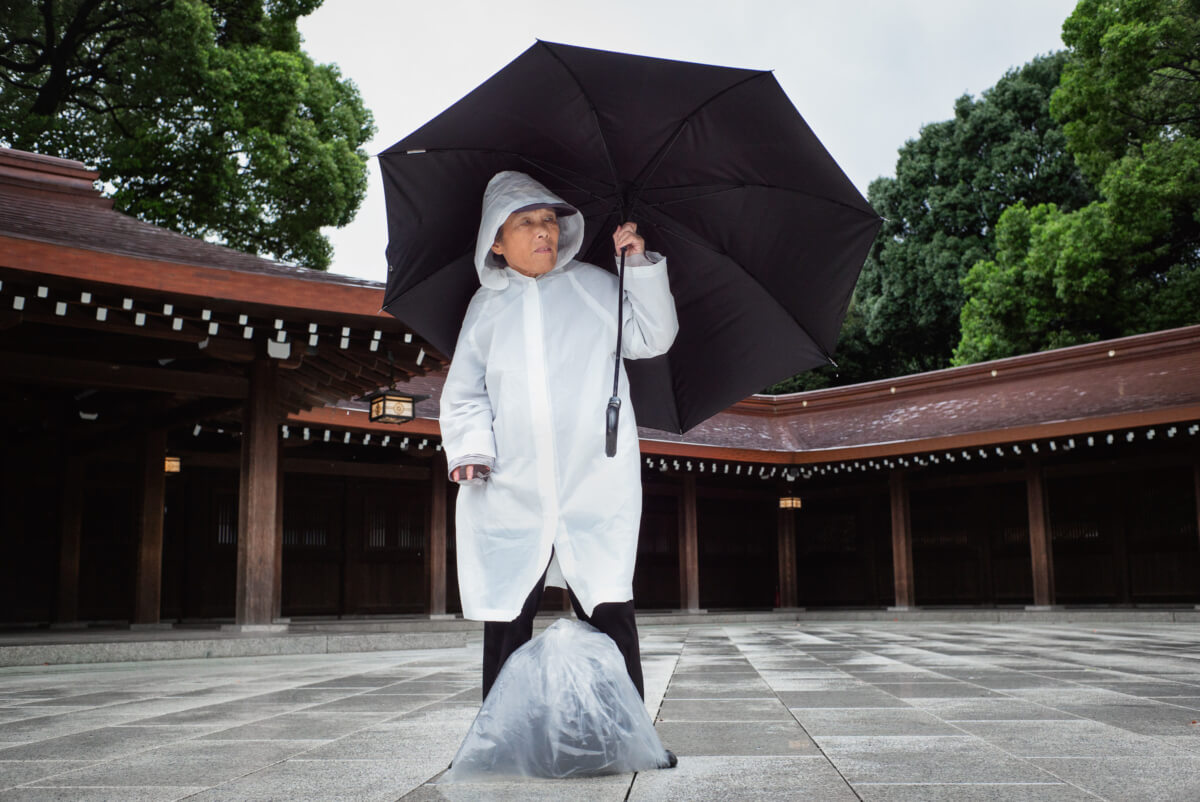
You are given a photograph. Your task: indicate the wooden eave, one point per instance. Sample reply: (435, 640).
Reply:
(1133, 381)
(324, 362)
(69, 263)
(1044, 364)
(1129, 383)
(121, 272)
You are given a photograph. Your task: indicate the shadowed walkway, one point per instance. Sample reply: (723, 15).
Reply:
(876, 711)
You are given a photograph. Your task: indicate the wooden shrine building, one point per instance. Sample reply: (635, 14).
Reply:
(1064, 477)
(122, 344)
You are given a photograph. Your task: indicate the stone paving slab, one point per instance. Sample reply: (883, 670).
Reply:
(602, 789)
(786, 779)
(98, 794)
(871, 710)
(921, 758)
(322, 780)
(1131, 779)
(302, 725)
(1002, 709)
(186, 763)
(859, 721)
(972, 792)
(748, 738)
(849, 696)
(18, 772)
(1069, 738)
(1152, 718)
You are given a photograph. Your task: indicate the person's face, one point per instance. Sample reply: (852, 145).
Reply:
(528, 241)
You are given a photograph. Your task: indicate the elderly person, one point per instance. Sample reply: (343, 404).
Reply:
(522, 419)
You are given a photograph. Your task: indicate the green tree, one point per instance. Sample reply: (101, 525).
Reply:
(952, 183)
(204, 116)
(1130, 261)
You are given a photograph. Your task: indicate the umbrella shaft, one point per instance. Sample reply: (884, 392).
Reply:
(613, 413)
(620, 314)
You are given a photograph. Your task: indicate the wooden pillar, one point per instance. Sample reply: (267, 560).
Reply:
(902, 561)
(689, 549)
(353, 542)
(259, 546)
(435, 540)
(70, 531)
(1196, 481)
(277, 599)
(788, 581)
(1041, 547)
(147, 589)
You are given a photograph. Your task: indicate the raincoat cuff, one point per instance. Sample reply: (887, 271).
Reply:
(471, 459)
(644, 260)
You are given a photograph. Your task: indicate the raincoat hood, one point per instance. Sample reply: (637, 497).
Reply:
(507, 192)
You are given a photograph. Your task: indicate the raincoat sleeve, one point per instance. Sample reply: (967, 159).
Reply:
(649, 325)
(466, 410)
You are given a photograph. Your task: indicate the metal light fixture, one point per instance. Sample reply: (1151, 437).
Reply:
(390, 405)
(172, 465)
(789, 502)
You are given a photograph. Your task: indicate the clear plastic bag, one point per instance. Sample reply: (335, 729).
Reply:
(562, 706)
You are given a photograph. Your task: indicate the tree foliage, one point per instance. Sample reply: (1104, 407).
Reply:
(951, 186)
(1129, 262)
(204, 116)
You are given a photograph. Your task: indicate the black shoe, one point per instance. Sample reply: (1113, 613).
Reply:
(672, 761)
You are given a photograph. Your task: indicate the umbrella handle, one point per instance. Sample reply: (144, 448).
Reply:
(611, 416)
(613, 413)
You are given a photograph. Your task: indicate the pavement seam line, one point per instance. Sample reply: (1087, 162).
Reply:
(658, 711)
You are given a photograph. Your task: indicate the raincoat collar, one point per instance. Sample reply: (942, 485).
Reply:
(505, 193)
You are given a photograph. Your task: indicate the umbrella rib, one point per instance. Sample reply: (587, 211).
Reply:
(700, 242)
(550, 168)
(656, 160)
(554, 171)
(612, 167)
(720, 190)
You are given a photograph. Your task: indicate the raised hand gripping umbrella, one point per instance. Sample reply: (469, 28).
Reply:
(764, 234)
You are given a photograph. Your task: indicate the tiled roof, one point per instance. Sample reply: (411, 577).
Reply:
(52, 200)
(1144, 379)
(1148, 377)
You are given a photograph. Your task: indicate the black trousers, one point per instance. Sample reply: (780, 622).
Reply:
(614, 619)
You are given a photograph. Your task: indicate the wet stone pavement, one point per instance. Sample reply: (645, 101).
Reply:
(873, 711)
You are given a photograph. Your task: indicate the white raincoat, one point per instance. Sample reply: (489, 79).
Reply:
(526, 394)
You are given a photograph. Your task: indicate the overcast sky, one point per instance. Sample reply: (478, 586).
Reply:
(865, 74)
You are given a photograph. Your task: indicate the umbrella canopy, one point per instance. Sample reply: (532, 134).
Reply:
(764, 234)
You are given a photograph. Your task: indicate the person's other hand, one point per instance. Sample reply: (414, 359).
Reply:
(626, 236)
(466, 473)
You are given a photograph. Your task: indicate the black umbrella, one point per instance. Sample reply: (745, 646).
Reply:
(763, 233)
